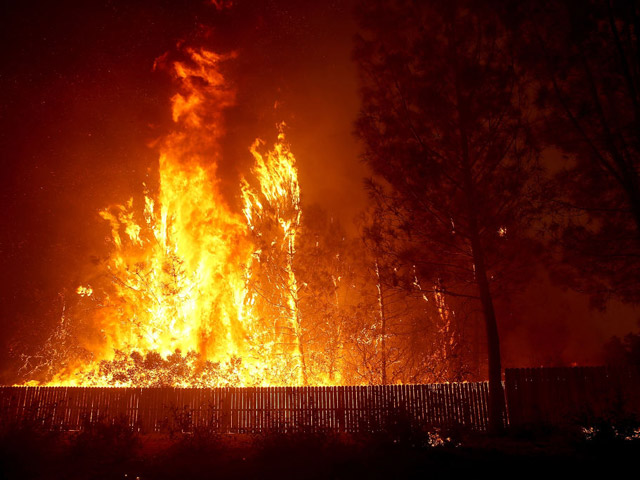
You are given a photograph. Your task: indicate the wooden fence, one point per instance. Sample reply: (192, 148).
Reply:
(580, 395)
(251, 410)
(533, 396)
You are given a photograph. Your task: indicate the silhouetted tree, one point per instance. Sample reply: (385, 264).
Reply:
(584, 56)
(623, 352)
(442, 123)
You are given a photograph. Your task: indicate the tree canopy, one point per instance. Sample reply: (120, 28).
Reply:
(444, 129)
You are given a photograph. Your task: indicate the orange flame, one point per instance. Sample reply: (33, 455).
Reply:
(279, 200)
(179, 281)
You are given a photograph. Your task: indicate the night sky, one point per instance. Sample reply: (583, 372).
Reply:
(81, 103)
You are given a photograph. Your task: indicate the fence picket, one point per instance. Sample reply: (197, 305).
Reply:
(532, 395)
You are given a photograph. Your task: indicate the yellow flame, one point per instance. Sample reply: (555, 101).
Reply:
(280, 192)
(179, 278)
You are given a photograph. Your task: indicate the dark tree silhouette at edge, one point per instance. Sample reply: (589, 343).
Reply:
(442, 125)
(584, 60)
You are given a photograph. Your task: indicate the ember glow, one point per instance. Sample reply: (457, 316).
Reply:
(177, 289)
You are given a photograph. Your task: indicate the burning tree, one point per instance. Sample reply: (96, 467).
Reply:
(195, 293)
(273, 213)
(442, 123)
(183, 269)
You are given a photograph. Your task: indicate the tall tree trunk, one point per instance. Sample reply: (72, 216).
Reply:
(294, 305)
(383, 325)
(496, 392)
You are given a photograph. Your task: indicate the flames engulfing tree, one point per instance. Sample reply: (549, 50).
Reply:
(585, 57)
(276, 209)
(441, 120)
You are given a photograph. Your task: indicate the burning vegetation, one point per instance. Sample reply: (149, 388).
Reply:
(196, 293)
(212, 282)
(181, 274)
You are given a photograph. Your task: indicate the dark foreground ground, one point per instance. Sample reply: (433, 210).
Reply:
(114, 452)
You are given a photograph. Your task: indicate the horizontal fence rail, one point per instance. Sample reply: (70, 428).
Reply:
(251, 410)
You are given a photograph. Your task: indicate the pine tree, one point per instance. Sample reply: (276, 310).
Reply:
(442, 123)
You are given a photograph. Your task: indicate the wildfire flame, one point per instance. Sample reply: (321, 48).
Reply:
(194, 293)
(280, 192)
(179, 279)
